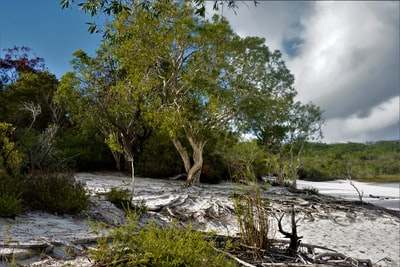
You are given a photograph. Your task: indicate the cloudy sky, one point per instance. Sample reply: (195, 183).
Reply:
(344, 55)
(345, 58)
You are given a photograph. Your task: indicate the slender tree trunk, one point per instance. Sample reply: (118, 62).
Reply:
(296, 170)
(133, 177)
(195, 171)
(292, 169)
(281, 172)
(128, 154)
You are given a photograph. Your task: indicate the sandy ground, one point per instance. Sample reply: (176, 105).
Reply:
(357, 231)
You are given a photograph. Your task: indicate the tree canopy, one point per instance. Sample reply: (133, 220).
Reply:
(188, 77)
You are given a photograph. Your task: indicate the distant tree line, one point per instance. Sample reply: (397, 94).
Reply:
(363, 161)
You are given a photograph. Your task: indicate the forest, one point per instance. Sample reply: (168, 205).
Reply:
(170, 93)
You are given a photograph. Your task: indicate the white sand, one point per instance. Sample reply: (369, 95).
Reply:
(362, 236)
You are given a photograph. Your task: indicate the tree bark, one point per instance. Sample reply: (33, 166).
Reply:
(183, 153)
(193, 171)
(128, 154)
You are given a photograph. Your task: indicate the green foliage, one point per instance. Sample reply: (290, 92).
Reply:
(36, 88)
(245, 160)
(119, 197)
(55, 192)
(252, 216)
(83, 149)
(10, 197)
(157, 246)
(364, 161)
(105, 101)
(10, 158)
(159, 158)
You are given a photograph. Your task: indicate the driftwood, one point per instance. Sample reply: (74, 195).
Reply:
(339, 259)
(294, 238)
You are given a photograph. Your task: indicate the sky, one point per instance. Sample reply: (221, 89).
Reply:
(345, 56)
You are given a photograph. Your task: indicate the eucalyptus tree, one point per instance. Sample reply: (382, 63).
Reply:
(268, 109)
(180, 64)
(305, 121)
(197, 77)
(189, 77)
(97, 93)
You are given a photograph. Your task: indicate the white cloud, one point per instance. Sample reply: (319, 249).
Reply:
(347, 59)
(359, 129)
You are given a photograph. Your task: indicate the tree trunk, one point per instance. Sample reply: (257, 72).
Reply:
(193, 176)
(128, 154)
(117, 159)
(193, 171)
(183, 153)
(281, 171)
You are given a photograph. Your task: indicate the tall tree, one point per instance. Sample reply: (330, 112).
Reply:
(97, 93)
(304, 123)
(268, 109)
(198, 77)
(180, 64)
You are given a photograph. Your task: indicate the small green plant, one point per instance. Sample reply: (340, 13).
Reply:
(311, 191)
(119, 197)
(141, 208)
(253, 218)
(157, 246)
(122, 199)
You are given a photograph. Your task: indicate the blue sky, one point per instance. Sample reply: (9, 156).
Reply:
(345, 55)
(51, 32)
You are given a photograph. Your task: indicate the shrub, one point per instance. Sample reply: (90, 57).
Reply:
(56, 193)
(157, 246)
(119, 197)
(311, 191)
(252, 217)
(10, 197)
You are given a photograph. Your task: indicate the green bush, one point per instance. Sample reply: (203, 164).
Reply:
(56, 193)
(119, 197)
(311, 191)
(157, 246)
(10, 197)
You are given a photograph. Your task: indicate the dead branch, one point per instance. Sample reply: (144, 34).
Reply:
(294, 238)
